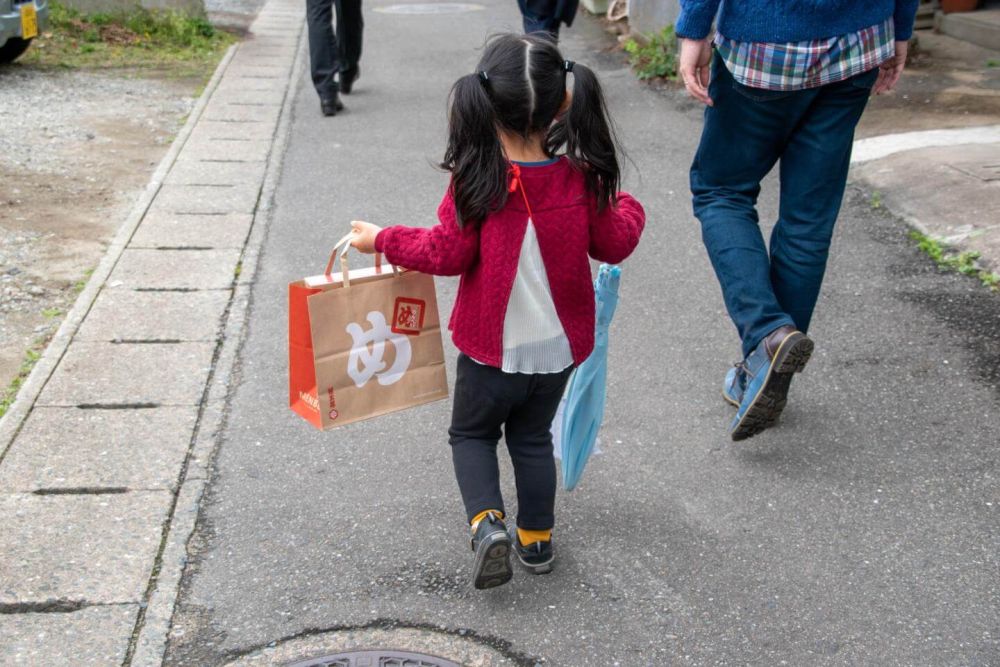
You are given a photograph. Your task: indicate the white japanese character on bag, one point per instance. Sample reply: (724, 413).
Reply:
(364, 363)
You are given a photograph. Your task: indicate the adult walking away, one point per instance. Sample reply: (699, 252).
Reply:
(547, 15)
(787, 82)
(332, 53)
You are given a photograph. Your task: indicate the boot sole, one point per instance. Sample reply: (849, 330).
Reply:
(792, 356)
(492, 567)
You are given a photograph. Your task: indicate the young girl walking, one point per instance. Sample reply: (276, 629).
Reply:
(518, 224)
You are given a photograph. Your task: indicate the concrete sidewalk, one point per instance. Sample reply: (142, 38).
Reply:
(944, 183)
(104, 454)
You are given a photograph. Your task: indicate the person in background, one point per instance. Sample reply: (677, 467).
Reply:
(332, 53)
(786, 81)
(547, 15)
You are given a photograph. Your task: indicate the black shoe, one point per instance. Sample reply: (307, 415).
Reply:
(492, 546)
(536, 557)
(347, 79)
(331, 105)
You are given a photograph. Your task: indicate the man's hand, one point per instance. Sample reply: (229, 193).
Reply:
(891, 69)
(695, 67)
(364, 235)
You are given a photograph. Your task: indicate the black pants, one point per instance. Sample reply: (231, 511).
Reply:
(330, 53)
(487, 399)
(547, 15)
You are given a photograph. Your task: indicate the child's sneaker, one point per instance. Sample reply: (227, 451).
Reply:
(536, 557)
(491, 542)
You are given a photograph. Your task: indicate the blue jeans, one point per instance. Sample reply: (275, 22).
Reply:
(745, 134)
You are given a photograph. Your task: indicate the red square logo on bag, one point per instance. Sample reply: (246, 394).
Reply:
(408, 316)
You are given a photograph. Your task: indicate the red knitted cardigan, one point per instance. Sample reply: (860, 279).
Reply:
(569, 230)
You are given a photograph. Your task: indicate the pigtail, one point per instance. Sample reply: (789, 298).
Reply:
(590, 140)
(474, 155)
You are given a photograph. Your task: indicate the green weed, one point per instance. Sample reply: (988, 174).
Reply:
(31, 358)
(82, 282)
(656, 58)
(876, 200)
(992, 62)
(965, 262)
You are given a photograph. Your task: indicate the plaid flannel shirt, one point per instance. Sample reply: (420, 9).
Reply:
(807, 64)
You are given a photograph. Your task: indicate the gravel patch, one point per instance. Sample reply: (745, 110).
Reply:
(43, 111)
(76, 150)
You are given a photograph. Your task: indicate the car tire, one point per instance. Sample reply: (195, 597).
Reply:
(13, 48)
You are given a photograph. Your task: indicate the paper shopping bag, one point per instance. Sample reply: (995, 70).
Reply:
(363, 343)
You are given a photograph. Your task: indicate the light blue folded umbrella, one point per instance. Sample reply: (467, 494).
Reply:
(583, 411)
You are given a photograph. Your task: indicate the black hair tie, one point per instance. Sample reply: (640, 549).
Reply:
(568, 65)
(483, 76)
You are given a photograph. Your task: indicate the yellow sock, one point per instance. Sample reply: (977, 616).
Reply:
(526, 537)
(482, 515)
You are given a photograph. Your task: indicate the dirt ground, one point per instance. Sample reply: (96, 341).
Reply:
(947, 83)
(76, 151)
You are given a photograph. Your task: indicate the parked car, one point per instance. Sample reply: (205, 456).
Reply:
(20, 22)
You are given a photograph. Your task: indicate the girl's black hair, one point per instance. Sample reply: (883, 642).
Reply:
(519, 86)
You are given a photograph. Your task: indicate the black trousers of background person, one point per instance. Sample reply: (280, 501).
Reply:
(547, 15)
(329, 52)
(523, 405)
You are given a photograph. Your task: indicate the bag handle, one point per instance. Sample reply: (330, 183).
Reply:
(345, 241)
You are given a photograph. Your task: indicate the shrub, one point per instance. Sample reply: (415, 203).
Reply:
(655, 59)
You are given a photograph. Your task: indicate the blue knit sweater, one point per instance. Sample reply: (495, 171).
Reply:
(791, 20)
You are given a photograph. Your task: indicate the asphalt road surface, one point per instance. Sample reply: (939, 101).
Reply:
(861, 530)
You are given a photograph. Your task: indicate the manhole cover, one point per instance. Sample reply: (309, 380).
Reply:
(430, 8)
(376, 659)
(415, 648)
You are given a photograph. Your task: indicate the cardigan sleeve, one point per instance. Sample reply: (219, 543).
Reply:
(903, 17)
(615, 231)
(442, 250)
(695, 20)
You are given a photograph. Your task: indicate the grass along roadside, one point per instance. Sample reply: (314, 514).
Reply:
(31, 357)
(34, 352)
(181, 45)
(82, 282)
(964, 262)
